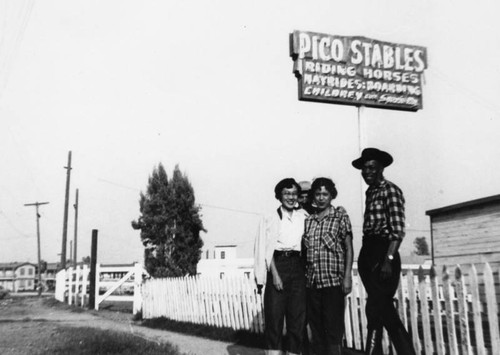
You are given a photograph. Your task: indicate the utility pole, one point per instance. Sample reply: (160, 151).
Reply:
(36, 204)
(71, 252)
(76, 231)
(65, 220)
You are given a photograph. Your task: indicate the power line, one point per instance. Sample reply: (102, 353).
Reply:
(230, 209)
(13, 227)
(200, 204)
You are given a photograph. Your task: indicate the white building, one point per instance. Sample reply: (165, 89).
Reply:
(222, 261)
(18, 276)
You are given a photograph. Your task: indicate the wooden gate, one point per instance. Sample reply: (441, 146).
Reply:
(120, 283)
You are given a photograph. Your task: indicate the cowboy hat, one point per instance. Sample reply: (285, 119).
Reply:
(368, 154)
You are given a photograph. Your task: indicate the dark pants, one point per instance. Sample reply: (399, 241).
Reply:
(325, 315)
(289, 302)
(380, 309)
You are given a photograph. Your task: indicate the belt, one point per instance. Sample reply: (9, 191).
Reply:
(286, 253)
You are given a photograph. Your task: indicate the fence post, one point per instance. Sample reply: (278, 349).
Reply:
(462, 311)
(60, 285)
(476, 309)
(450, 318)
(436, 307)
(77, 283)
(489, 288)
(410, 280)
(85, 280)
(70, 285)
(358, 340)
(424, 309)
(137, 305)
(92, 276)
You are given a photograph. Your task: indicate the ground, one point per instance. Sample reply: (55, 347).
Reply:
(27, 324)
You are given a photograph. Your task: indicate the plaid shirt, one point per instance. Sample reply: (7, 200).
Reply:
(385, 211)
(324, 247)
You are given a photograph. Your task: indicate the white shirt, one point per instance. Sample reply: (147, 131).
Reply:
(266, 241)
(291, 230)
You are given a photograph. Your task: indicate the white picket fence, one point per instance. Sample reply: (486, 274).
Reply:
(445, 314)
(227, 302)
(73, 285)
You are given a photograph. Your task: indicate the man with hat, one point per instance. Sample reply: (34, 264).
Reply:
(379, 263)
(305, 200)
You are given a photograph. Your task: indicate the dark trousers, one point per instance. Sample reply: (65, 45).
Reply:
(289, 303)
(380, 309)
(325, 316)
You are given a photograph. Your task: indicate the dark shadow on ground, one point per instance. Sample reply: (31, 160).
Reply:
(242, 350)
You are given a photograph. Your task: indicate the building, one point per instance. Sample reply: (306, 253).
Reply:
(466, 233)
(18, 277)
(222, 261)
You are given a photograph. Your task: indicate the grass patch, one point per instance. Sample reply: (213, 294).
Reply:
(83, 341)
(240, 337)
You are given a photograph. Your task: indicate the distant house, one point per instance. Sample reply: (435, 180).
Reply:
(18, 277)
(222, 261)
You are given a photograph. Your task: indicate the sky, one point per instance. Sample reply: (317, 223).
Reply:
(126, 85)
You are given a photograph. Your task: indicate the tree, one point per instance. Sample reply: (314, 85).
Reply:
(170, 225)
(421, 246)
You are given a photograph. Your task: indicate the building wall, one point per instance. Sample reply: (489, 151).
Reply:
(18, 277)
(467, 236)
(226, 268)
(25, 277)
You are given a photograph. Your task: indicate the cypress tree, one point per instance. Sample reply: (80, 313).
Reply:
(170, 225)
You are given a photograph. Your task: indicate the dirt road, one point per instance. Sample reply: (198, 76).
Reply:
(20, 331)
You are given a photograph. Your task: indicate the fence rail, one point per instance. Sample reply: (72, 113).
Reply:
(445, 314)
(73, 285)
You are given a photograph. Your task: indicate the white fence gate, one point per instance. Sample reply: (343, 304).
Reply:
(73, 285)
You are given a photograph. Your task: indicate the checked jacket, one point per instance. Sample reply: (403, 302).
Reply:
(324, 247)
(385, 211)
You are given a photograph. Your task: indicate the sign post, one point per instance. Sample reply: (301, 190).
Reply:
(358, 71)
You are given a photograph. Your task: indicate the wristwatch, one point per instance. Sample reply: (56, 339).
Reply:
(390, 257)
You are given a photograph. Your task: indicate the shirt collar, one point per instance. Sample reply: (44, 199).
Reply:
(330, 214)
(284, 213)
(382, 183)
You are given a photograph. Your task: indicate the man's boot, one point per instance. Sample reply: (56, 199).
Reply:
(374, 342)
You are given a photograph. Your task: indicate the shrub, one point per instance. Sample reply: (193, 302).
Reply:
(3, 293)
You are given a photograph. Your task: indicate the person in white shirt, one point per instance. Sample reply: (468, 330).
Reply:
(280, 267)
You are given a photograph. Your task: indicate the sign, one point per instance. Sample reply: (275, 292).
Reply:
(358, 71)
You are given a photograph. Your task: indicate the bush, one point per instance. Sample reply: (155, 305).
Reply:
(91, 341)
(3, 293)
